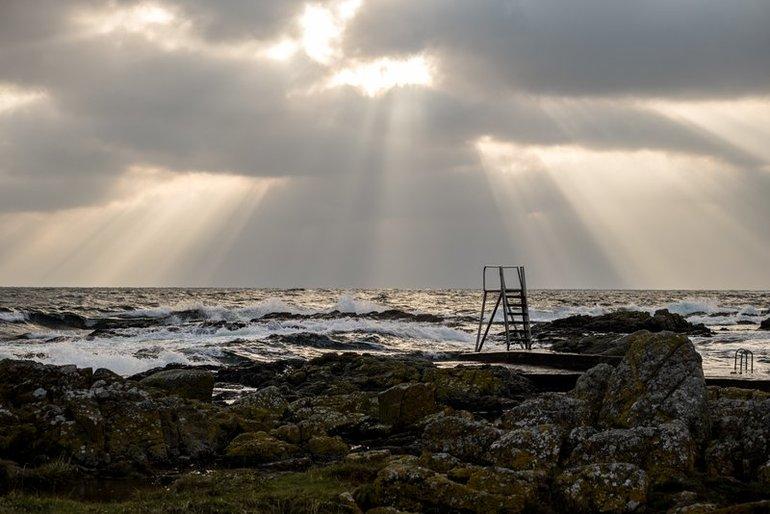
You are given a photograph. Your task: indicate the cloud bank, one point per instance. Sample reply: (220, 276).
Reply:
(384, 143)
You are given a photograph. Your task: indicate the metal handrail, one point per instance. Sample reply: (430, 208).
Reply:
(522, 333)
(744, 361)
(488, 266)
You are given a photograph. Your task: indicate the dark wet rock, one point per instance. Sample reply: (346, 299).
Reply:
(459, 435)
(665, 452)
(593, 344)
(613, 487)
(404, 404)
(258, 375)
(321, 341)
(765, 324)
(20, 380)
(740, 441)
(185, 383)
(58, 320)
(659, 380)
(596, 334)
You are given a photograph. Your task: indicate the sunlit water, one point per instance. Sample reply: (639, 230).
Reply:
(146, 328)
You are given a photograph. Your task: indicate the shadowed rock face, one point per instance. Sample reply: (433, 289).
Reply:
(765, 325)
(659, 380)
(401, 433)
(603, 335)
(185, 383)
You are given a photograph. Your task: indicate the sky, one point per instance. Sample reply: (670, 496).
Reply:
(385, 143)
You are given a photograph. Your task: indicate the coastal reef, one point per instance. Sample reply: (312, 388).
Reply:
(380, 434)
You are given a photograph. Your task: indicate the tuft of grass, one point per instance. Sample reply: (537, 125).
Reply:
(225, 491)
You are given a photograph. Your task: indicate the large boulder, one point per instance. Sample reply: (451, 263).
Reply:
(591, 388)
(477, 388)
(258, 448)
(547, 409)
(666, 452)
(594, 334)
(185, 383)
(461, 436)
(740, 439)
(406, 486)
(405, 404)
(528, 448)
(659, 380)
(612, 487)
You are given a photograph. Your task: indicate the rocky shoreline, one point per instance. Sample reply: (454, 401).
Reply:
(364, 433)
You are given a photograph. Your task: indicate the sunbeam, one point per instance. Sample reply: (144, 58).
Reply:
(169, 223)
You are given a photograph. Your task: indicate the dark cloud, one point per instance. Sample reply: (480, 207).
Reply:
(588, 48)
(379, 189)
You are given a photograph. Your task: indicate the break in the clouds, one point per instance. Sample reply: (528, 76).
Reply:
(384, 142)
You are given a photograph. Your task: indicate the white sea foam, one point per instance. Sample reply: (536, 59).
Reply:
(12, 317)
(120, 360)
(350, 304)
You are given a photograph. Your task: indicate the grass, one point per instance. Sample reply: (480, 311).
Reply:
(224, 491)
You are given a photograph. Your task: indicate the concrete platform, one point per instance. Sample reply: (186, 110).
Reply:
(542, 359)
(552, 371)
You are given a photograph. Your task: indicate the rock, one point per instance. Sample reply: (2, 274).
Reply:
(408, 487)
(528, 448)
(659, 380)
(462, 437)
(575, 328)
(258, 448)
(666, 452)
(261, 409)
(290, 433)
(613, 487)
(440, 462)
(477, 388)
(593, 344)
(765, 324)
(404, 404)
(185, 383)
(522, 485)
(591, 388)
(547, 408)
(740, 439)
(106, 376)
(22, 380)
(325, 446)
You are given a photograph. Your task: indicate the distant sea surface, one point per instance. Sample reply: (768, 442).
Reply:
(132, 330)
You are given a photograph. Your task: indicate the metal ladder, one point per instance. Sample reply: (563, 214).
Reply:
(515, 309)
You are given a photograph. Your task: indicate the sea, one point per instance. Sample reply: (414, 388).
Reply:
(133, 330)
